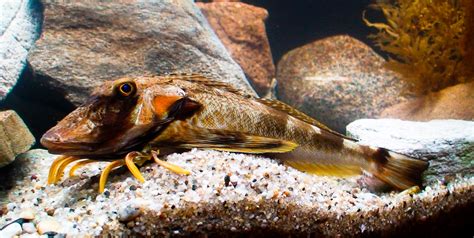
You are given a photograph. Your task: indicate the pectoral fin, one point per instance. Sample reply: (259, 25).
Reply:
(188, 138)
(166, 106)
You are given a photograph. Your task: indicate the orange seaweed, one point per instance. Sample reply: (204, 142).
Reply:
(427, 41)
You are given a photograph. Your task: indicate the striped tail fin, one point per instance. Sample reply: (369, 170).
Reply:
(397, 170)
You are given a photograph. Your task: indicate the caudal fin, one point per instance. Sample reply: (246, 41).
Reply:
(399, 171)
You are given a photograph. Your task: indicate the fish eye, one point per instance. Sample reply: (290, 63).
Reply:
(126, 89)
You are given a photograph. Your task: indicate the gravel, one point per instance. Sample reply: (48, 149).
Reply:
(225, 192)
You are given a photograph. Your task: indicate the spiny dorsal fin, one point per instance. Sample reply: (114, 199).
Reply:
(283, 107)
(201, 79)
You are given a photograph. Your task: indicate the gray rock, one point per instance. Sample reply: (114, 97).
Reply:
(19, 28)
(337, 80)
(84, 44)
(448, 144)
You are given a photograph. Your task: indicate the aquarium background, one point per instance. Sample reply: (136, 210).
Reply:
(317, 206)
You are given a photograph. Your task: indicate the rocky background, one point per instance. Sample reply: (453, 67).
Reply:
(315, 57)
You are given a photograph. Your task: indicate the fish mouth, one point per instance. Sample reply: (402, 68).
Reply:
(56, 146)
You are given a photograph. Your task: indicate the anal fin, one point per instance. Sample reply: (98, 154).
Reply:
(324, 169)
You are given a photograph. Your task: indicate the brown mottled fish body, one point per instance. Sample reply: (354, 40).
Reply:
(184, 112)
(231, 112)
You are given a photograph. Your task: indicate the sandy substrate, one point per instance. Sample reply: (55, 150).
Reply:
(226, 193)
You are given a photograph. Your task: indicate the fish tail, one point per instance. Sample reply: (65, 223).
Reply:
(397, 170)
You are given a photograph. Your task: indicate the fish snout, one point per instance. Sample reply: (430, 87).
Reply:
(50, 140)
(56, 144)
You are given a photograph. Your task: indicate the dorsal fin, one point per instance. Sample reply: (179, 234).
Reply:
(198, 78)
(283, 107)
(278, 105)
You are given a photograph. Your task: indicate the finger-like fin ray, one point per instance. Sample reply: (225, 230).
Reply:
(106, 171)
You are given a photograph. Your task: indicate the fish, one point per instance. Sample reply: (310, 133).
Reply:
(131, 120)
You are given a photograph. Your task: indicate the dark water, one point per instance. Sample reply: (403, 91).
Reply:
(292, 24)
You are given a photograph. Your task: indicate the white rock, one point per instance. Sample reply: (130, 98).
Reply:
(11, 230)
(49, 225)
(19, 28)
(414, 138)
(448, 144)
(29, 227)
(28, 214)
(33, 235)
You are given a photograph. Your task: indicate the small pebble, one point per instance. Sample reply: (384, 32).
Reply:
(29, 227)
(33, 235)
(128, 213)
(50, 210)
(27, 214)
(11, 230)
(11, 206)
(49, 225)
(226, 180)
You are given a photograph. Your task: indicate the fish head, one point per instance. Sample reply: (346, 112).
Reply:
(120, 116)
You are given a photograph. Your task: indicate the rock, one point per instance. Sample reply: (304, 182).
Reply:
(454, 102)
(128, 213)
(263, 195)
(28, 214)
(83, 44)
(448, 144)
(15, 138)
(48, 225)
(34, 235)
(29, 227)
(19, 28)
(241, 28)
(11, 230)
(337, 80)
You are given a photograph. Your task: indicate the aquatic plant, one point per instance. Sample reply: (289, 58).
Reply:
(426, 41)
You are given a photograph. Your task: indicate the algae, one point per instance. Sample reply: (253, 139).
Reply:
(427, 41)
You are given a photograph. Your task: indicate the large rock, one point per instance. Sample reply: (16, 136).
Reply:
(337, 80)
(226, 193)
(84, 44)
(241, 28)
(456, 102)
(19, 28)
(448, 144)
(15, 138)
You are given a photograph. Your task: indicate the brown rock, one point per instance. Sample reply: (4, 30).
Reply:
(241, 28)
(456, 102)
(83, 44)
(15, 138)
(337, 80)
